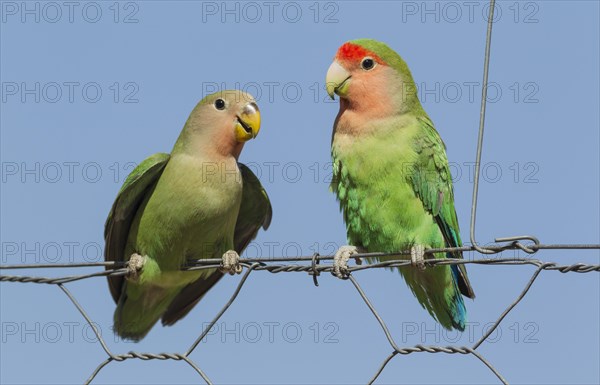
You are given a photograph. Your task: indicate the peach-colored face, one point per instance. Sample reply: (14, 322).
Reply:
(223, 122)
(241, 118)
(360, 78)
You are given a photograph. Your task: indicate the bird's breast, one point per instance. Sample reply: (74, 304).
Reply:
(372, 173)
(192, 211)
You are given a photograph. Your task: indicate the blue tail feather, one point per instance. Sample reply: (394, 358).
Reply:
(459, 311)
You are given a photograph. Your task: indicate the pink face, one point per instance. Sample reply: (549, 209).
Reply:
(361, 79)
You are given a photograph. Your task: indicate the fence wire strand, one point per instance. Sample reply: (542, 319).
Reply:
(313, 267)
(526, 243)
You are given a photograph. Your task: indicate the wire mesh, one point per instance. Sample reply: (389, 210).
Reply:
(312, 265)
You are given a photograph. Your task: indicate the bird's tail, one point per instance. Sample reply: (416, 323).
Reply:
(456, 305)
(136, 314)
(437, 290)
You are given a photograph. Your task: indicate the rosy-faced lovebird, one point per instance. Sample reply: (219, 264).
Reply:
(391, 175)
(196, 203)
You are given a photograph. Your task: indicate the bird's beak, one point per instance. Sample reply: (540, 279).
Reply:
(248, 123)
(337, 80)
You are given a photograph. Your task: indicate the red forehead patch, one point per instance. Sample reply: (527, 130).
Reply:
(353, 52)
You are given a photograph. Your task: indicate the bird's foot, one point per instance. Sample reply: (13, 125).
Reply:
(134, 266)
(231, 263)
(340, 261)
(417, 254)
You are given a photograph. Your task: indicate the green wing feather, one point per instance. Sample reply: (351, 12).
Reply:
(432, 183)
(255, 212)
(132, 193)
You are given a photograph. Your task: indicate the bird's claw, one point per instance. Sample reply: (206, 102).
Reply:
(340, 261)
(134, 266)
(417, 254)
(231, 263)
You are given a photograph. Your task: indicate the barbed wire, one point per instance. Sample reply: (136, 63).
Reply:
(315, 268)
(121, 269)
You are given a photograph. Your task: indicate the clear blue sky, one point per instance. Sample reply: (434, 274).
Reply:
(89, 88)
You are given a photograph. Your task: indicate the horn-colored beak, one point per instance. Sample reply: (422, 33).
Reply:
(337, 80)
(248, 124)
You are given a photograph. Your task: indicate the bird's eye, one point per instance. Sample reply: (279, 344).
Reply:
(220, 104)
(367, 63)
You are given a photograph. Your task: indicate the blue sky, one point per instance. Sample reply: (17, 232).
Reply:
(91, 88)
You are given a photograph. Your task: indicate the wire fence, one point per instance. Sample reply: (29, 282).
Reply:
(312, 265)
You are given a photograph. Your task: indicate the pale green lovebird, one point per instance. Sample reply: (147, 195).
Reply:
(391, 175)
(196, 203)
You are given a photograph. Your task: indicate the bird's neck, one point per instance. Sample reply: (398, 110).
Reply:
(359, 117)
(221, 147)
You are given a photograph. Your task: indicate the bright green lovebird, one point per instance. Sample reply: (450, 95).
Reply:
(196, 203)
(391, 174)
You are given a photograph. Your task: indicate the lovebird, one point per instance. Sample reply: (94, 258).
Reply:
(197, 202)
(391, 175)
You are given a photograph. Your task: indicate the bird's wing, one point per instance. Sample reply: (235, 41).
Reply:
(255, 211)
(132, 193)
(432, 182)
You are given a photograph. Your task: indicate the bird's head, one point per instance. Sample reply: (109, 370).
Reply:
(369, 75)
(225, 120)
